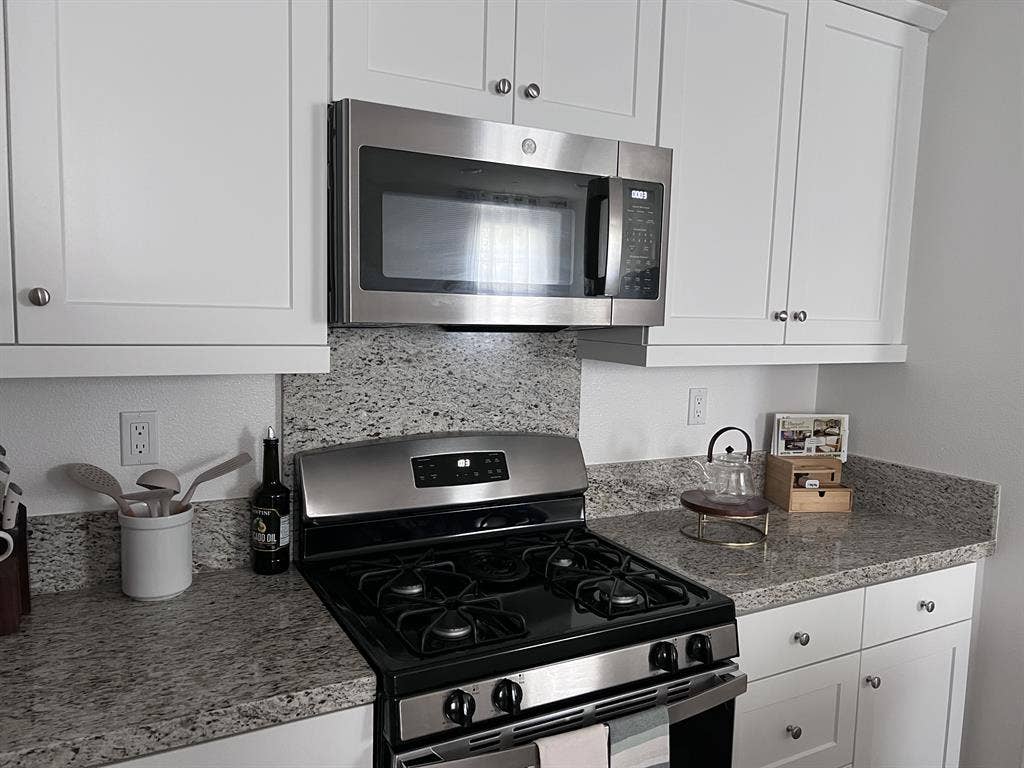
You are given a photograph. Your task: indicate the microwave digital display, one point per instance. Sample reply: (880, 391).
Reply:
(638, 194)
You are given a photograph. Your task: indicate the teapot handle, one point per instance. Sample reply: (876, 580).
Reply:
(719, 433)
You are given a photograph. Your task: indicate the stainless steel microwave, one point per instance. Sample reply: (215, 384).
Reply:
(454, 221)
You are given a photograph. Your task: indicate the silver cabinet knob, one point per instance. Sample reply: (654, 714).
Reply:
(532, 91)
(874, 681)
(802, 637)
(503, 86)
(39, 296)
(800, 316)
(926, 605)
(782, 316)
(795, 731)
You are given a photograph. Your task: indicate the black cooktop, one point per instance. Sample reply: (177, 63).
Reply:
(430, 615)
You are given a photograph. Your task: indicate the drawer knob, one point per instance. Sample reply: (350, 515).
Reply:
(795, 731)
(782, 316)
(800, 316)
(503, 86)
(874, 681)
(802, 637)
(40, 297)
(532, 91)
(926, 605)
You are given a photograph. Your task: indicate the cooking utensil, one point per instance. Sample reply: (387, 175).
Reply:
(9, 516)
(5, 475)
(213, 472)
(159, 479)
(157, 501)
(101, 481)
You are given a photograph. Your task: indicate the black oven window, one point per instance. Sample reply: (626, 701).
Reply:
(444, 225)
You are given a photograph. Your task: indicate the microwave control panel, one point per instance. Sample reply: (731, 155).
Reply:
(641, 240)
(459, 468)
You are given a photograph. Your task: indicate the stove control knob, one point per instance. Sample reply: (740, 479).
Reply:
(459, 707)
(698, 648)
(665, 657)
(507, 696)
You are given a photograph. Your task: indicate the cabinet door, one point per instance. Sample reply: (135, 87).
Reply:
(863, 84)
(730, 112)
(6, 263)
(441, 56)
(336, 740)
(169, 170)
(596, 63)
(800, 719)
(914, 718)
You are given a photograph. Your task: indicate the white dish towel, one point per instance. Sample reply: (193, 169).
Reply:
(582, 748)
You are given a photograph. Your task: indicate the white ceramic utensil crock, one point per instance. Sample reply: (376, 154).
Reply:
(156, 555)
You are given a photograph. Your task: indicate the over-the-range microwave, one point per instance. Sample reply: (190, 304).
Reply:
(454, 221)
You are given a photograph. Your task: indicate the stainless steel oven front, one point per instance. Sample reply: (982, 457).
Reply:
(453, 221)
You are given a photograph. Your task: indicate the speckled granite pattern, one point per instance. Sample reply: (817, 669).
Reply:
(806, 555)
(646, 486)
(966, 505)
(80, 550)
(404, 380)
(93, 677)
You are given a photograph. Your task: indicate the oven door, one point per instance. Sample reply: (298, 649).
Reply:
(453, 221)
(701, 712)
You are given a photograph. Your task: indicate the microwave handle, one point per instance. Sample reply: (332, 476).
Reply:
(603, 263)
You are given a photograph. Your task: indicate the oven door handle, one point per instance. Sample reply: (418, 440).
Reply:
(732, 685)
(527, 756)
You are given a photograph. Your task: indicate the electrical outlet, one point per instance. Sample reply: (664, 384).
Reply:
(698, 410)
(139, 438)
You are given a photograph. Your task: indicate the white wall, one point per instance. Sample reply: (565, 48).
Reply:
(630, 414)
(958, 404)
(45, 423)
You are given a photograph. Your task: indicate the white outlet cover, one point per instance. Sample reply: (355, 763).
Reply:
(697, 412)
(129, 457)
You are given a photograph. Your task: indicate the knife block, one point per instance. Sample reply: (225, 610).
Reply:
(15, 600)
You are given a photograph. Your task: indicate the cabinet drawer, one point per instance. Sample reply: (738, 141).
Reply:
(801, 719)
(900, 608)
(769, 641)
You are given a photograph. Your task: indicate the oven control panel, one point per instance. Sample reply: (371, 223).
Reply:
(459, 468)
(641, 240)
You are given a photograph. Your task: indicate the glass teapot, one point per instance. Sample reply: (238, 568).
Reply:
(728, 477)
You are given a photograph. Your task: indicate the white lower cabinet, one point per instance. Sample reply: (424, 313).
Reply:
(881, 679)
(913, 719)
(337, 740)
(799, 719)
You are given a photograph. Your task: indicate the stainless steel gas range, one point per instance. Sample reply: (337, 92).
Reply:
(462, 566)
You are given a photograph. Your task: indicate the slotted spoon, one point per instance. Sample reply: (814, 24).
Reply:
(101, 481)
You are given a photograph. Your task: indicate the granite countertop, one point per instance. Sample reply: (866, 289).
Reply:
(806, 555)
(93, 677)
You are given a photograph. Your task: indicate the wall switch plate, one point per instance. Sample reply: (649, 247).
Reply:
(140, 438)
(698, 410)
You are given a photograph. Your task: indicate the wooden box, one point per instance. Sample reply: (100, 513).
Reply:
(781, 486)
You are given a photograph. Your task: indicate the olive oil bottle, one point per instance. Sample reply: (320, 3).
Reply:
(270, 518)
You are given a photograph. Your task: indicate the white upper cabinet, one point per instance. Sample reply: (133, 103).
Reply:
(589, 67)
(913, 719)
(168, 169)
(863, 84)
(441, 56)
(730, 111)
(6, 264)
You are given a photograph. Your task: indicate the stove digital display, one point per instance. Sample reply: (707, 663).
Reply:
(459, 469)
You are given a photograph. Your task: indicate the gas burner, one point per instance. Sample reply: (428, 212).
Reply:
(495, 567)
(563, 558)
(570, 551)
(450, 626)
(616, 592)
(406, 584)
(440, 622)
